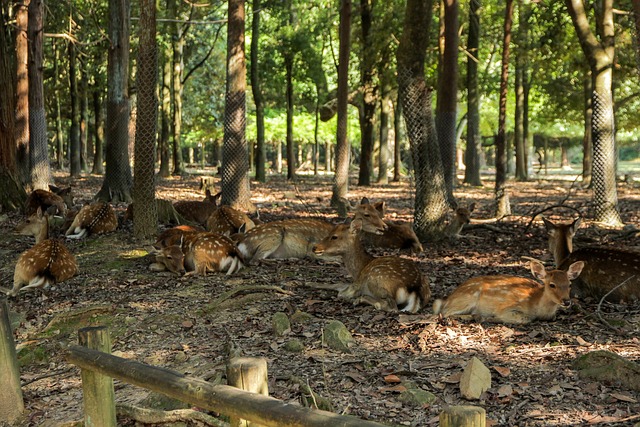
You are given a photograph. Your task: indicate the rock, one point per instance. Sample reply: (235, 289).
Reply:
(301, 317)
(294, 345)
(280, 324)
(338, 337)
(475, 380)
(610, 368)
(415, 396)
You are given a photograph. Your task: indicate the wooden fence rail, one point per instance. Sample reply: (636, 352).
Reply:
(220, 398)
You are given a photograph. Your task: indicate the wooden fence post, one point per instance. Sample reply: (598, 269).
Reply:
(248, 374)
(97, 389)
(11, 403)
(463, 416)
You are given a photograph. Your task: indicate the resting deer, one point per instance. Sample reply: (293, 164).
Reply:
(198, 211)
(512, 299)
(227, 221)
(96, 218)
(175, 235)
(387, 283)
(47, 262)
(606, 270)
(52, 202)
(394, 236)
(199, 253)
(461, 218)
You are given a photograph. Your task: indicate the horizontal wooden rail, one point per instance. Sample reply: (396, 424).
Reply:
(220, 398)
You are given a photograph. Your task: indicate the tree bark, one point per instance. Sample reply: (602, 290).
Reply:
(397, 139)
(235, 162)
(341, 177)
(22, 89)
(587, 141)
(38, 140)
(84, 119)
(474, 142)
(98, 124)
(177, 42)
(291, 157)
(74, 130)
(369, 96)
(256, 90)
(56, 110)
(385, 113)
(117, 182)
(521, 65)
(600, 52)
(502, 197)
(145, 216)
(447, 102)
(165, 118)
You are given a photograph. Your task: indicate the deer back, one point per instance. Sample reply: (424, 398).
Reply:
(227, 221)
(46, 200)
(198, 211)
(174, 236)
(96, 218)
(46, 262)
(212, 252)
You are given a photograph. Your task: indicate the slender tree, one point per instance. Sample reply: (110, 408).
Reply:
(57, 110)
(38, 140)
(587, 141)
(397, 139)
(341, 177)
(431, 201)
(600, 53)
(98, 125)
(503, 207)
(145, 216)
(472, 153)
(261, 148)
(165, 117)
(522, 60)
(369, 96)
(178, 35)
(22, 89)
(235, 162)
(117, 182)
(75, 161)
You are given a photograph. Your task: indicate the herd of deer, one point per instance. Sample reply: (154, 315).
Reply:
(228, 239)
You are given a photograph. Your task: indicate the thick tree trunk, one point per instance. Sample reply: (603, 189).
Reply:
(38, 139)
(256, 90)
(474, 142)
(235, 162)
(145, 216)
(22, 89)
(447, 102)
(369, 96)
(165, 118)
(503, 207)
(341, 177)
(117, 182)
(98, 124)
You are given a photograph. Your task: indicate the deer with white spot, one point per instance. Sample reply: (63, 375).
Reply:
(95, 218)
(512, 299)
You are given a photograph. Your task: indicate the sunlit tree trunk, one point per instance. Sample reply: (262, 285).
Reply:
(22, 89)
(341, 177)
(98, 124)
(84, 119)
(385, 113)
(177, 43)
(397, 141)
(56, 110)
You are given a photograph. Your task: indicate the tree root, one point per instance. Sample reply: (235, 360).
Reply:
(155, 416)
(243, 289)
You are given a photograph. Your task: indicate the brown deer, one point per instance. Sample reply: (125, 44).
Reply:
(47, 262)
(227, 221)
(512, 299)
(175, 235)
(388, 283)
(611, 272)
(461, 218)
(54, 203)
(96, 218)
(394, 236)
(198, 211)
(199, 253)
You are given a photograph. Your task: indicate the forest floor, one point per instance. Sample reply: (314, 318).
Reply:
(188, 324)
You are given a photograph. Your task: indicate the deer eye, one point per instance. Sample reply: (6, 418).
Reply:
(367, 215)
(552, 285)
(334, 237)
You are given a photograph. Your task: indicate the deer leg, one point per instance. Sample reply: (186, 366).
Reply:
(80, 233)
(514, 317)
(157, 266)
(385, 304)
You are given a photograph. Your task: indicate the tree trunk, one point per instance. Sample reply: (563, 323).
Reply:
(38, 139)
(22, 89)
(74, 130)
(177, 42)
(474, 142)
(369, 97)
(447, 102)
(56, 110)
(587, 142)
(397, 140)
(521, 65)
(235, 164)
(600, 53)
(503, 207)
(165, 118)
(431, 202)
(385, 112)
(98, 124)
(261, 148)
(145, 216)
(84, 119)
(341, 177)
(291, 158)
(116, 186)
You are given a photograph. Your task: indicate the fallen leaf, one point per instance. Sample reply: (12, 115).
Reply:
(505, 390)
(396, 388)
(187, 324)
(453, 378)
(392, 379)
(623, 397)
(355, 376)
(580, 341)
(503, 371)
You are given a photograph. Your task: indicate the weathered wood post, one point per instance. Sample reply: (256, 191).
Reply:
(97, 389)
(11, 403)
(248, 374)
(463, 416)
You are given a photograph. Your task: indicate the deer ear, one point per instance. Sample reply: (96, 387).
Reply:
(39, 212)
(575, 269)
(538, 270)
(551, 227)
(472, 207)
(575, 225)
(364, 201)
(380, 207)
(356, 226)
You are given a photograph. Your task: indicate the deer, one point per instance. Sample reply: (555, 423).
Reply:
(47, 262)
(53, 202)
(393, 236)
(227, 221)
(199, 253)
(512, 299)
(462, 217)
(173, 236)
(387, 283)
(95, 218)
(610, 273)
(198, 211)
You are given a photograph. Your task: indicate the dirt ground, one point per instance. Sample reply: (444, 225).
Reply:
(189, 324)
